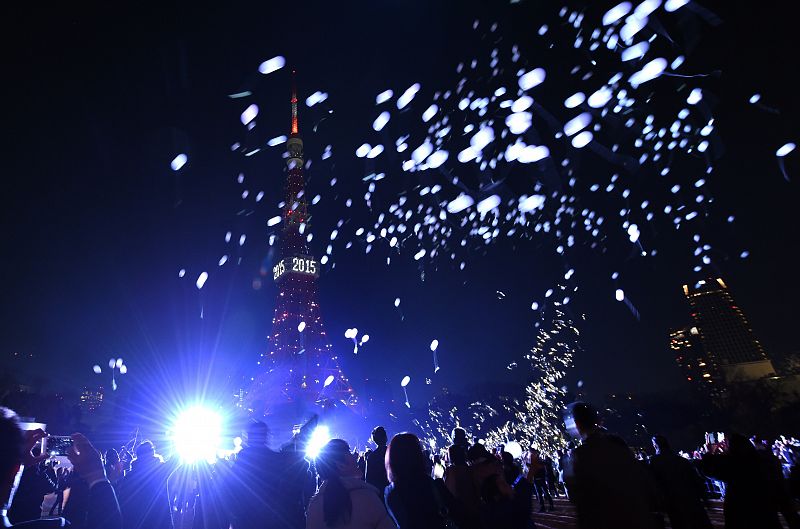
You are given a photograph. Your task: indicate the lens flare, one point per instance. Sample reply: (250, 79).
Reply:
(196, 434)
(319, 438)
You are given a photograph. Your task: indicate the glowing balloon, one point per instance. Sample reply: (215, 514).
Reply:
(178, 162)
(514, 449)
(384, 96)
(786, 149)
(533, 78)
(249, 114)
(273, 64)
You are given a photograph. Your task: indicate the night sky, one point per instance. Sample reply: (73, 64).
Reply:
(95, 225)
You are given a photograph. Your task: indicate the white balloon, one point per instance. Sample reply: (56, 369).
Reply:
(460, 203)
(786, 149)
(178, 162)
(616, 13)
(514, 449)
(383, 97)
(405, 381)
(577, 123)
(273, 64)
(488, 204)
(381, 121)
(533, 78)
(249, 114)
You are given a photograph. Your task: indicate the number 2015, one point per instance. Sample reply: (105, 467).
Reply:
(308, 266)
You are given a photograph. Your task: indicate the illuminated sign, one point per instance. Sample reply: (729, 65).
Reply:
(301, 264)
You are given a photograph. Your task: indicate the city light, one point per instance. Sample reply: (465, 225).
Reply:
(196, 434)
(319, 438)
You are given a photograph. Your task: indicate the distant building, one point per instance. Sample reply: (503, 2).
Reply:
(696, 366)
(730, 350)
(91, 399)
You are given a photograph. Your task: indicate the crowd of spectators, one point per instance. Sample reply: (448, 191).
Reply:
(399, 483)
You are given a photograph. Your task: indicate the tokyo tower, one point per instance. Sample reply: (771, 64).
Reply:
(300, 366)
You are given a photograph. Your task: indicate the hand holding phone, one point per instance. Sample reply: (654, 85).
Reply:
(31, 438)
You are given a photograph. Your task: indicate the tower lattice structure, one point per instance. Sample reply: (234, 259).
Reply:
(300, 365)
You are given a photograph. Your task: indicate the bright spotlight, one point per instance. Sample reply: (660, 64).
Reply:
(319, 438)
(196, 434)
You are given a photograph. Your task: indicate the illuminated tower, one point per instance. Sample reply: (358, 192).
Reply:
(729, 343)
(300, 366)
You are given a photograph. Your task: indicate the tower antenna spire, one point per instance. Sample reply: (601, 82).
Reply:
(295, 130)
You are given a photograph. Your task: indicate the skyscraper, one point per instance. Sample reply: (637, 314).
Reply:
(728, 341)
(300, 366)
(693, 361)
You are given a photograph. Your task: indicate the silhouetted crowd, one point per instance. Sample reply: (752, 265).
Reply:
(400, 483)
